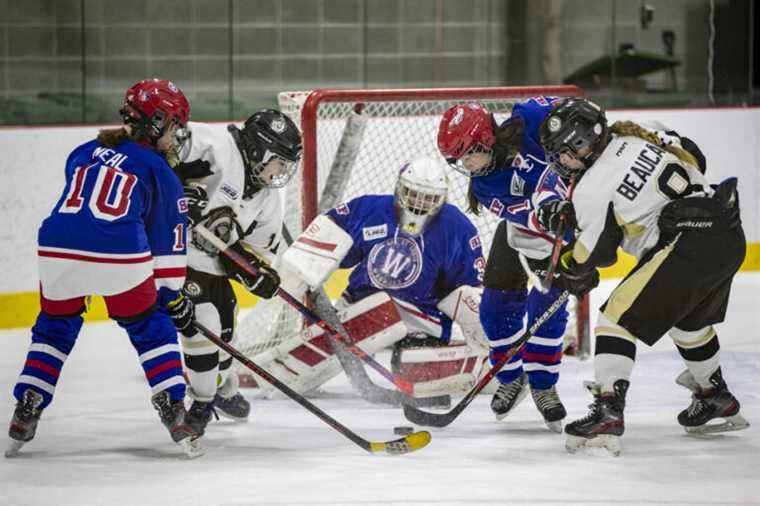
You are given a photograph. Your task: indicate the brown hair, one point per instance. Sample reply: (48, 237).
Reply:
(112, 137)
(507, 143)
(630, 128)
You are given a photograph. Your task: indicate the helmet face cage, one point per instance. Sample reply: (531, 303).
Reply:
(420, 193)
(267, 136)
(458, 163)
(574, 125)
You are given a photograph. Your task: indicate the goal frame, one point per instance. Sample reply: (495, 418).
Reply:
(309, 114)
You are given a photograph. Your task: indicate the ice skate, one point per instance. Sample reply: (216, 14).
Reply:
(235, 408)
(508, 396)
(550, 406)
(199, 415)
(24, 422)
(708, 404)
(173, 416)
(604, 424)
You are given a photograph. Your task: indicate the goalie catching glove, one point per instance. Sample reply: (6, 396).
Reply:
(263, 283)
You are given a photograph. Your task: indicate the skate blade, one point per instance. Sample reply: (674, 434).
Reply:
(608, 442)
(555, 426)
(192, 448)
(235, 419)
(729, 424)
(13, 448)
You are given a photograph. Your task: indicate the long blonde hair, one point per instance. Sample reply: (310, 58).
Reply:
(632, 129)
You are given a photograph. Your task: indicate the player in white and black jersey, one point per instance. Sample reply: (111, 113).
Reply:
(651, 199)
(233, 191)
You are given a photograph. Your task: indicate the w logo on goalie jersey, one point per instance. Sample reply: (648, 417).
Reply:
(394, 264)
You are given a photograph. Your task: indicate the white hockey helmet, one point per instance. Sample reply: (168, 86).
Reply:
(420, 192)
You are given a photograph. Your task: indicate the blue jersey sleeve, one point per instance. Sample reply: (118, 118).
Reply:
(166, 227)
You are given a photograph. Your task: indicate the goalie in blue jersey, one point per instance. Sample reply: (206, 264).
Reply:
(417, 268)
(511, 178)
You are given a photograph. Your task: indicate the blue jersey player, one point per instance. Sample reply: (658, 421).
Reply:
(510, 177)
(411, 253)
(118, 230)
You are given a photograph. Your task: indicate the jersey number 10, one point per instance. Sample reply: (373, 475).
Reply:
(110, 197)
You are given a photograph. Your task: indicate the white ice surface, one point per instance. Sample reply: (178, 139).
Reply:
(100, 442)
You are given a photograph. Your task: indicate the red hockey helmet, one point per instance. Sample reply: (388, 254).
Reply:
(151, 105)
(462, 128)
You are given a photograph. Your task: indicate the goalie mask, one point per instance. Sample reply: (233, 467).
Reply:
(270, 145)
(420, 193)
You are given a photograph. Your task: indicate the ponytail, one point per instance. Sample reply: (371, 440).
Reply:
(112, 137)
(629, 128)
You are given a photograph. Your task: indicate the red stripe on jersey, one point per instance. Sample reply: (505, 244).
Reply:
(94, 259)
(317, 244)
(544, 358)
(42, 366)
(170, 272)
(169, 364)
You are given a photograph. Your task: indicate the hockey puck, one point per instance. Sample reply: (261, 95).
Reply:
(403, 431)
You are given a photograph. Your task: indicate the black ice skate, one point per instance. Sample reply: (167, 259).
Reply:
(709, 404)
(24, 422)
(174, 418)
(235, 408)
(604, 424)
(199, 415)
(508, 396)
(551, 408)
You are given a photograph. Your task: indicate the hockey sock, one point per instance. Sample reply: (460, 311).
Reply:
(613, 360)
(52, 341)
(543, 352)
(502, 316)
(155, 340)
(701, 352)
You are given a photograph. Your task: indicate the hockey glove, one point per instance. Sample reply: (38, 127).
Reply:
(196, 169)
(574, 277)
(550, 213)
(264, 283)
(197, 200)
(182, 312)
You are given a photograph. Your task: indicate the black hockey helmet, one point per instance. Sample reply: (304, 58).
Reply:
(574, 124)
(268, 134)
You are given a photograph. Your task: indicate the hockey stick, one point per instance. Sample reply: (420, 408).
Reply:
(419, 417)
(402, 384)
(406, 444)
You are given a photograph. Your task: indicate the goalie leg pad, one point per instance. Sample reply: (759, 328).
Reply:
(440, 369)
(306, 360)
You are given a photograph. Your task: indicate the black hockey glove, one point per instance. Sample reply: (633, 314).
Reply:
(197, 200)
(574, 277)
(550, 213)
(266, 281)
(196, 169)
(182, 312)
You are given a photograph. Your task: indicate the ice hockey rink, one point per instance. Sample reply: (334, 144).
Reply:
(100, 442)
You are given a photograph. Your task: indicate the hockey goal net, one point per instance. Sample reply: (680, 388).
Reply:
(355, 142)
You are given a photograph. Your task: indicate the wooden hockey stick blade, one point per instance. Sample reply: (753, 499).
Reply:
(420, 417)
(407, 444)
